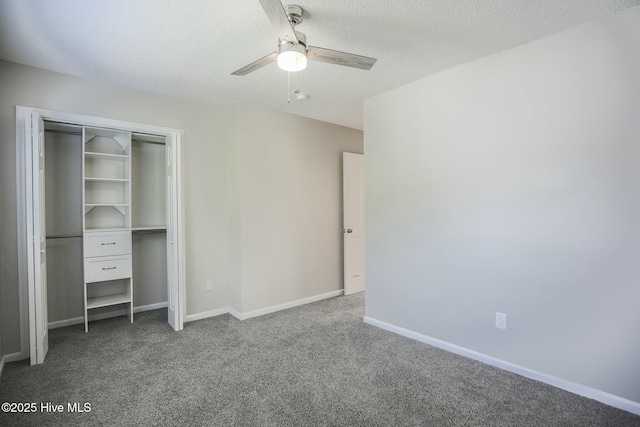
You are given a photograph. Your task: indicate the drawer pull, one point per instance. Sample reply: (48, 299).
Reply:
(106, 244)
(108, 268)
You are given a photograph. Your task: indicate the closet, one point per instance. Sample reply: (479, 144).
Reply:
(106, 222)
(100, 222)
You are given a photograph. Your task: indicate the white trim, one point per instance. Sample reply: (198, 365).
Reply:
(94, 121)
(12, 357)
(235, 313)
(579, 389)
(8, 358)
(244, 316)
(206, 314)
(150, 307)
(67, 322)
(105, 315)
(291, 304)
(181, 230)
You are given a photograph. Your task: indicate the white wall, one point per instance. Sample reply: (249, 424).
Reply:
(289, 184)
(512, 184)
(205, 172)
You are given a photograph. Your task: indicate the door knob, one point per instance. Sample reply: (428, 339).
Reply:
(348, 230)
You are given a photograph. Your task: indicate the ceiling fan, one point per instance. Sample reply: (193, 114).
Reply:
(293, 51)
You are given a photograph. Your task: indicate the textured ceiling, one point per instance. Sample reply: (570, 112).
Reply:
(189, 48)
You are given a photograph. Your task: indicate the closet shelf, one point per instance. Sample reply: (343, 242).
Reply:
(106, 229)
(149, 228)
(120, 207)
(108, 300)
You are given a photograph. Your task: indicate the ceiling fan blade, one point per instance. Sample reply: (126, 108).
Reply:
(279, 19)
(340, 58)
(256, 64)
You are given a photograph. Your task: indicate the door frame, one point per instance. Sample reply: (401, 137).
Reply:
(25, 222)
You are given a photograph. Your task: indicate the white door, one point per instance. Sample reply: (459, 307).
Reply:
(38, 287)
(353, 222)
(173, 265)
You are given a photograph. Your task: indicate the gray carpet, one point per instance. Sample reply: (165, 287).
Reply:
(313, 365)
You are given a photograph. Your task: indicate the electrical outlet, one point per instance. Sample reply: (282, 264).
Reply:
(209, 285)
(501, 320)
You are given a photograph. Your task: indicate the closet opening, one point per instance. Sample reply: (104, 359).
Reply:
(103, 216)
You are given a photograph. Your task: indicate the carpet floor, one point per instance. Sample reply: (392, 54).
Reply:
(314, 365)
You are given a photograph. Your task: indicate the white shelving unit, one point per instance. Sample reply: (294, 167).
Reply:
(107, 241)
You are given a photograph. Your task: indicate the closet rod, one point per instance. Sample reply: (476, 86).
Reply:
(148, 142)
(68, 132)
(65, 236)
(63, 132)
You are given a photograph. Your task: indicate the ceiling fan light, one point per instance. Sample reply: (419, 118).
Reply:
(292, 57)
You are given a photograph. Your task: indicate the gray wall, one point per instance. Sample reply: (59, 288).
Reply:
(289, 187)
(512, 184)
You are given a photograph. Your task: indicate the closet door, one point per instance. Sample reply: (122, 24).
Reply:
(173, 261)
(38, 260)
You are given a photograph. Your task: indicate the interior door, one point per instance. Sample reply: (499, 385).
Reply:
(173, 265)
(38, 289)
(353, 222)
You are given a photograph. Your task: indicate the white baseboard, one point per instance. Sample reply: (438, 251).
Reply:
(12, 357)
(65, 322)
(7, 358)
(291, 304)
(579, 389)
(206, 314)
(149, 307)
(244, 316)
(235, 313)
(106, 315)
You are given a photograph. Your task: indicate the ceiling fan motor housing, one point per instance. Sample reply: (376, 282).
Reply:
(293, 56)
(286, 46)
(294, 13)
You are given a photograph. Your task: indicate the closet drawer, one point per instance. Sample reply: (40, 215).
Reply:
(107, 268)
(107, 243)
